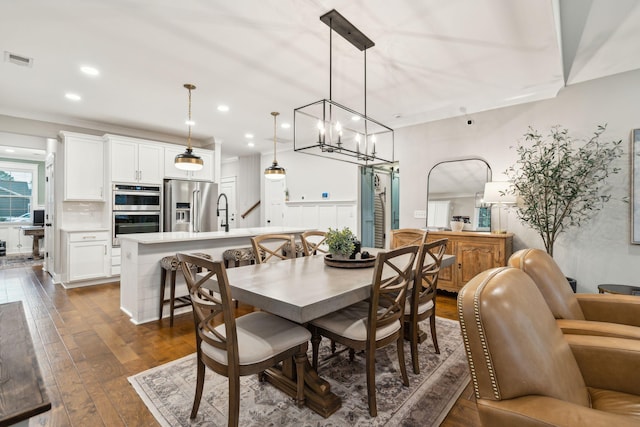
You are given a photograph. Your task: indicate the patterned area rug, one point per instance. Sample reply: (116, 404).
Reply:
(17, 261)
(168, 390)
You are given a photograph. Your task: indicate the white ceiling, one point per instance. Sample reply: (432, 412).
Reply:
(433, 59)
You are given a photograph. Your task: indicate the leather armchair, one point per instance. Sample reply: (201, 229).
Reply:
(526, 372)
(588, 314)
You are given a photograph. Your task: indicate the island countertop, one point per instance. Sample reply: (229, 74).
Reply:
(183, 236)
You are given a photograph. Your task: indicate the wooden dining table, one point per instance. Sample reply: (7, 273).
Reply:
(302, 289)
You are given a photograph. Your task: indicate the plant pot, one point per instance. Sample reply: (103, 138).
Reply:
(573, 283)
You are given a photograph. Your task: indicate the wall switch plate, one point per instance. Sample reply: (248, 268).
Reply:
(419, 214)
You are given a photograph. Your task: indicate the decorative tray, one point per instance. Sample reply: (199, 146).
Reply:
(349, 263)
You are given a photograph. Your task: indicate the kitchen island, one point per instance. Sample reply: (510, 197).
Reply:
(141, 255)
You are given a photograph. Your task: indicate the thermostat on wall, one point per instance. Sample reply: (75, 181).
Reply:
(325, 195)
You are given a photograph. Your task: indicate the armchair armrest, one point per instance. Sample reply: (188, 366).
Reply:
(624, 309)
(538, 411)
(608, 363)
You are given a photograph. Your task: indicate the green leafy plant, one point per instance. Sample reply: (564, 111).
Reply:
(560, 180)
(341, 242)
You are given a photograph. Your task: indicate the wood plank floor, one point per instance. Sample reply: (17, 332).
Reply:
(87, 348)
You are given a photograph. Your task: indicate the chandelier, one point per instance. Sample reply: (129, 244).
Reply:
(328, 129)
(274, 172)
(187, 160)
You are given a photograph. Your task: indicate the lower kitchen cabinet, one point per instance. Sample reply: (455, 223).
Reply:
(87, 254)
(475, 252)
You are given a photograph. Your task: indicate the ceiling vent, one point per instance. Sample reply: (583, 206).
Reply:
(18, 59)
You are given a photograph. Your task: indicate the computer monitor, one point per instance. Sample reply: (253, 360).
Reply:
(38, 217)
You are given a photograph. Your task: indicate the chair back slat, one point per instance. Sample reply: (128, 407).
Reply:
(392, 274)
(425, 278)
(407, 237)
(313, 242)
(272, 247)
(208, 304)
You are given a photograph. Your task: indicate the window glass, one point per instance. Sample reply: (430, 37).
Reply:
(16, 190)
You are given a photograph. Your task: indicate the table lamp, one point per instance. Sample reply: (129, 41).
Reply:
(495, 192)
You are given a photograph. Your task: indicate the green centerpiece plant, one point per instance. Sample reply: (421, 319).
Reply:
(561, 181)
(341, 243)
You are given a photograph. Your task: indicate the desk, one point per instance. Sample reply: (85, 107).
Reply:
(619, 289)
(37, 232)
(303, 289)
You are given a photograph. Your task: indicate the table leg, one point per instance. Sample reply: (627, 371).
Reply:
(36, 247)
(317, 392)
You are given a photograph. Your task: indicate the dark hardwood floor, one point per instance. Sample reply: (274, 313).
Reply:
(87, 347)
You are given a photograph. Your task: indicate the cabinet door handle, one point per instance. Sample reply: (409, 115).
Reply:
(139, 175)
(459, 266)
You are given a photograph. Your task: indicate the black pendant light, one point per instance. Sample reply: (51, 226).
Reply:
(187, 160)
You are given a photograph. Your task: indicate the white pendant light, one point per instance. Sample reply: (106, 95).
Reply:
(274, 172)
(187, 160)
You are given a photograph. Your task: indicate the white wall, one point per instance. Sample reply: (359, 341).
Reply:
(598, 252)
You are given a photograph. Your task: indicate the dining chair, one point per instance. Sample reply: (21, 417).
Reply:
(421, 301)
(374, 323)
(238, 347)
(272, 247)
(313, 241)
(407, 237)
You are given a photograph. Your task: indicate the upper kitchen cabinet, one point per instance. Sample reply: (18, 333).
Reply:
(171, 171)
(83, 167)
(135, 161)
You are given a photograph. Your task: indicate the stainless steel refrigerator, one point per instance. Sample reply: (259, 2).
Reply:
(190, 205)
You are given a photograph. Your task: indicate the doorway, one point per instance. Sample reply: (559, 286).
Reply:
(49, 203)
(379, 204)
(274, 197)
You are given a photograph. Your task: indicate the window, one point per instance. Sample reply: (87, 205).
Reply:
(18, 182)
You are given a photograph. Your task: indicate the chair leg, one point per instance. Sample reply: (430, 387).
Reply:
(413, 341)
(300, 360)
(199, 387)
(403, 366)
(173, 297)
(234, 400)
(434, 337)
(371, 382)
(163, 278)
(315, 344)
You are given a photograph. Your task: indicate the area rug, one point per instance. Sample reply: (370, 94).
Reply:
(168, 390)
(17, 261)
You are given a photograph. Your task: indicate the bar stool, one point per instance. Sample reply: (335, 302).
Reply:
(171, 263)
(299, 249)
(237, 255)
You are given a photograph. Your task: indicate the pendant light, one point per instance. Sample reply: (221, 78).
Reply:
(274, 172)
(187, 160)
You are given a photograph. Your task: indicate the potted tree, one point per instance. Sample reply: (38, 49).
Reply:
(560, 180)
(341, 243)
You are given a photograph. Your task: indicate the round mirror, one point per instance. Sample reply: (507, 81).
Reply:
(454, 193)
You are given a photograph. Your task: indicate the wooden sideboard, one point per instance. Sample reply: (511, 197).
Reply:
(474, 251)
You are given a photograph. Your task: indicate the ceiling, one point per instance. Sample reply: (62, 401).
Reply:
(432, 59)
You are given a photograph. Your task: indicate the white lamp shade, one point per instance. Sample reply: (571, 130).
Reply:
(496, 192)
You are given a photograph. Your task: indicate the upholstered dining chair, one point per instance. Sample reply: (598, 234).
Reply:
(421, 301)
(590, 314)
(407, 237)
(272, 247)
(526, 372)
(247, 345)
(313, 241)
(375, 323)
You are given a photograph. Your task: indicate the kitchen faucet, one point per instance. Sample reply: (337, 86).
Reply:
(226, 211)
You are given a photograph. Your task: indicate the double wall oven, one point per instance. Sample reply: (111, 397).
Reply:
(136, 209)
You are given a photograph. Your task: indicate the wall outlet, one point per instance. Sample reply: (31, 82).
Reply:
(419, 214)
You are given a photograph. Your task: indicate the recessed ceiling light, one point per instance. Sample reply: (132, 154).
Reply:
(251, 144)
(90, 71)
(223, 108)
(285, 125)
(73, 96)
(248, 135)
(189, 122)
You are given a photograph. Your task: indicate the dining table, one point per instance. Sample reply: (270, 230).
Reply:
(302, 289)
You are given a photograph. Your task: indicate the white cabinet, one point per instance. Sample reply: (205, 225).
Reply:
(133, 161)
(87, 255)
(83, 167)
(171, 171)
